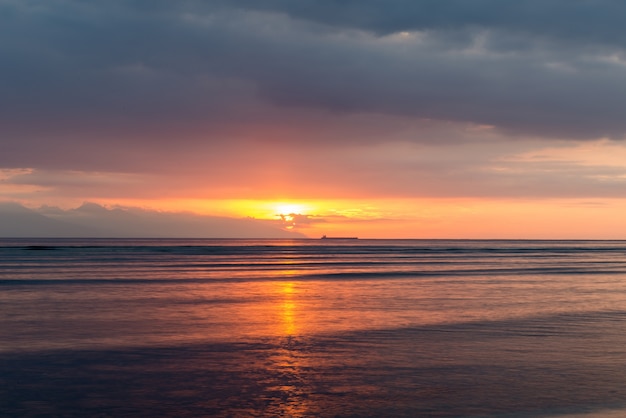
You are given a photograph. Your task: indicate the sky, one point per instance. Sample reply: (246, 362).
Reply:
(369, 118)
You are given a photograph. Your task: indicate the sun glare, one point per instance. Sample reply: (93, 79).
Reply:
(273, 209)
(290, 208)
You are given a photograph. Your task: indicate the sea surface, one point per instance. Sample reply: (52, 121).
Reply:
(312, 328)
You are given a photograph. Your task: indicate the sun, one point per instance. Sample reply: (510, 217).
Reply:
(282, 208)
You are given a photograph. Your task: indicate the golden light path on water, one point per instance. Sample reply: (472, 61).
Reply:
(289, 309)
(289, 362)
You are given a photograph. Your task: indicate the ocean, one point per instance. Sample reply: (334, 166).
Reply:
(312, 328)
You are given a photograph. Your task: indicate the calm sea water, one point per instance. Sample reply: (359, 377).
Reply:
(312, 328)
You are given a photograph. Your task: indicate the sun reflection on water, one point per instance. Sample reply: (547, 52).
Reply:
(288, 309)
(288, 362)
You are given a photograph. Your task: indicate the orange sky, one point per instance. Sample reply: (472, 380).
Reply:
(520, 190)
(448, 218)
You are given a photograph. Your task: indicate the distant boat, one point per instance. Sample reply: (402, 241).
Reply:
(325, 237)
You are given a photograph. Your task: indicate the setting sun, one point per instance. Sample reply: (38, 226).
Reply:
(282, 208)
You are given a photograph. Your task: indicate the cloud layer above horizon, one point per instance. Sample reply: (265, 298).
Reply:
(258, 99)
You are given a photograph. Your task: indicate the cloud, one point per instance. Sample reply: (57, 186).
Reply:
(241, 98)
(93, 221)
(579, 21)
(511, 169)
(298, 220)
(85, 75)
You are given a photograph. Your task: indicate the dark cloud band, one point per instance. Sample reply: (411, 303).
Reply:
(157, 73)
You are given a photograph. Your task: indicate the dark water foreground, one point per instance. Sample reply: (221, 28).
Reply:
(175, 328)
(534, 367)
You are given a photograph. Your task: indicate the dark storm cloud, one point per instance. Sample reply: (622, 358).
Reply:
(99, 75)
(597, 21)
